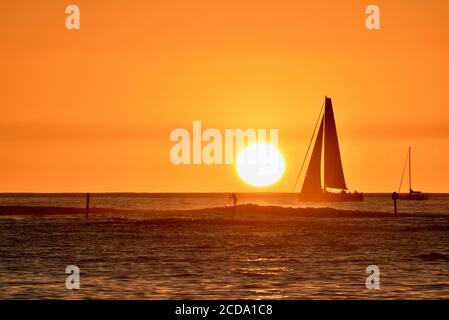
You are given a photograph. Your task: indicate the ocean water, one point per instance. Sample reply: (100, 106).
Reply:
(438, 203)
(158, 251)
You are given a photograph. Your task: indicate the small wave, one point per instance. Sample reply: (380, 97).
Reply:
(245, 210)
(433, 256)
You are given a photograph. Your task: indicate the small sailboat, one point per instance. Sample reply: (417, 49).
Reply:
(326, 149)
(412, 194)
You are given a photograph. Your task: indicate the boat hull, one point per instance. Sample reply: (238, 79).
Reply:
(331, 197)
(413, 196)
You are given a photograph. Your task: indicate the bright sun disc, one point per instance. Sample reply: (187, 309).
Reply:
(260, 164)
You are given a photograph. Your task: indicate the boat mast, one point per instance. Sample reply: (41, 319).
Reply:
(409, 169)
(324, 149)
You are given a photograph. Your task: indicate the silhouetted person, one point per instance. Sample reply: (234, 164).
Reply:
(234, 197)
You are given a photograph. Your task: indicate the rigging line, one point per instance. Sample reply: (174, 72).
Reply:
(308, 148)
(403, 171)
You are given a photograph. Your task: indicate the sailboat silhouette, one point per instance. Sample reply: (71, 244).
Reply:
(412, 194)
(326, 148)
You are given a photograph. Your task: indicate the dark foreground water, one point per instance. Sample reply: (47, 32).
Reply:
(211, 254)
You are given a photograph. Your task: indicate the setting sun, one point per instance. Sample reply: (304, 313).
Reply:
(260, 165)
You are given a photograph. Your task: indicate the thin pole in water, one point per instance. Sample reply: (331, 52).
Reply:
(394, 196)
(87, 204)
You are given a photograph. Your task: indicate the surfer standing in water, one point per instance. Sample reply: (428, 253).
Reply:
(234, 197)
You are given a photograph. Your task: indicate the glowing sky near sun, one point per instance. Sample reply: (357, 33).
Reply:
(92, 109)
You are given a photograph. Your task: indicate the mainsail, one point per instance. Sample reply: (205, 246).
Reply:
(312, 180)
(333, 169)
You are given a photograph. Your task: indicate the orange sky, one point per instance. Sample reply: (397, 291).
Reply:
(92, 110)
